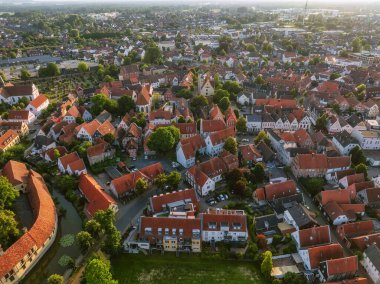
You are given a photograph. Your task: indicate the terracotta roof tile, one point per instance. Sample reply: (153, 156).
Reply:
(322, 253)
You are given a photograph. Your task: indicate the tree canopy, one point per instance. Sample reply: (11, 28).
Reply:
(8, 228)
(125, 104)
(267, 264)
(163, 139)
(262, 136)
(55, 279)
(153, 55)
(98, 272)
(241, 124)
(8, 193)
(83, 67)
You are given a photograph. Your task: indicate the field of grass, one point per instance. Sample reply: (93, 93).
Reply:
(163, 269)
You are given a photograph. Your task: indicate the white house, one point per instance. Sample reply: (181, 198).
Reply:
(215, 141)
(344, 142)
(187, 149)
(21, 116)
(244, 99)
(224, 225)
(368, 140)
(38, 105)
(12, 94)
(200, 181)
(253, 122)
(371, 263)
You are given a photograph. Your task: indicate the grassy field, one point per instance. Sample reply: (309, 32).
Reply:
(157, 269)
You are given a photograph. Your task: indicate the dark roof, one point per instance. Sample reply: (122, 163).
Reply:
(266, 151)
(373, 253)
(301, 216)
(42, 140)
(345, 139)
(266, 222)
(281, 204)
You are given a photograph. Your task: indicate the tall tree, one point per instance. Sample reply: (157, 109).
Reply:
(24, 74)
(357, 156)
(241, 124)
(153, 55)
(83, 67)
(94, 228)
(267, 264)
(125, 104)
(8, 193)
(230, 145)
(258, 173)
(55, 279)
(224, 103)
(8, 227)
(141, 185)
(262, 136)
(362, 168)
(98, 272)
(85, 240)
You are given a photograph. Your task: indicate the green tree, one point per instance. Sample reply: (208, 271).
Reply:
(125, 105)
(184, 93)
(65, 183)
(83, 67)
(262, 136)
(267, 264)
(163, 139)
(240, 187)
(241, 124)
(102, 102)
(160, 181)
(173, 179)
(259, 80)
(258, 172)
(294, 278)
(8, 193)
(106, 219)
(312, 185)
(85, 241)
(79, 120)
(141, 186)
(357, 156)
(232, 87)
(153, 55)
(57, 154)
(334, 75)
(55, 279)
(224, 104)
(362, 168)
(108, 79)
(74, 33)
(2, 75)
(98, 272)
(109, 138)
(94, 228)
(112, 243)
(321, 123)
(8, 227)
(219, 95)
(198, 102)
(24, 74)
(357, 45)
(50, 70)
(230, 145)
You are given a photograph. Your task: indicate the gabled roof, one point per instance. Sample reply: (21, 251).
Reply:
(345, 265)
(38, 101)
(249, 152)
(277, 190)
(9, 136)
(314, 236)
(152, 171)
(225, 218)
(68, 159)
(323, 253)
(355, 229)
(19, 114)
(221, 135)
(96, 197)
(97, 149)
(15, 172)
(340, 196)
(212, 125)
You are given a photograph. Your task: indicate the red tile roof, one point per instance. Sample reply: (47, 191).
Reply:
(249, 152)
(50, 152)
(314, 236)
(152, 171)
(351, 281)
(68, 159)
(340, 196)
(322, 253)
(96, 197)
(285, 103)
(97, 149)
(19, 114)
(362, 242)
(345, 265)
(38, 101)
(44, 225)
(216, 113)
(15, 172)
(279, 189)
(355, 229)
(221, 135)
(158, 202)
(212, 125)
(187, 128)
(9, 136)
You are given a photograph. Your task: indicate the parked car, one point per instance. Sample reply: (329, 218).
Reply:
(225, 196)
(221, 197)
(245, 140)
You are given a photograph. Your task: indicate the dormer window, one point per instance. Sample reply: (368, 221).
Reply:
(212, 225)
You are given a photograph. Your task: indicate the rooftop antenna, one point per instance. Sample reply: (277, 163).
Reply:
(305, 13)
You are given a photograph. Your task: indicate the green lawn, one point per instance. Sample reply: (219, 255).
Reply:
(157, 269)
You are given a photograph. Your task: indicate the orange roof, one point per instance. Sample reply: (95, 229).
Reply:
(106, 128)
(97, 199)
(9, 136)
(68, 159)
(314, 236)
(351, 281)
(97, 149)
(215, 112)
(212, 125)
(37, 102)
(187, 128)
(362, 242)
(340, 196)
(19, 114)
(322, 253)
(354, 229)
(249, 152)
(160, 114)
(345, 265)
(77, 165)
(143, 98)
(15, 172)
(44, 225)
(279, 189)
(285, 103)
(221, 135)
(126, 183)
(50, 152)
(152, 171)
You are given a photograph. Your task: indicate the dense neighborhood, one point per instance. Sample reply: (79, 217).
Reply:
(189, 144)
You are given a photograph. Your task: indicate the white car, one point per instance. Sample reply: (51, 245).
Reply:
(244, 140)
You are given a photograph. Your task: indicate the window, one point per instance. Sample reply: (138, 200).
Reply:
(166, 231)
(160, 231)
